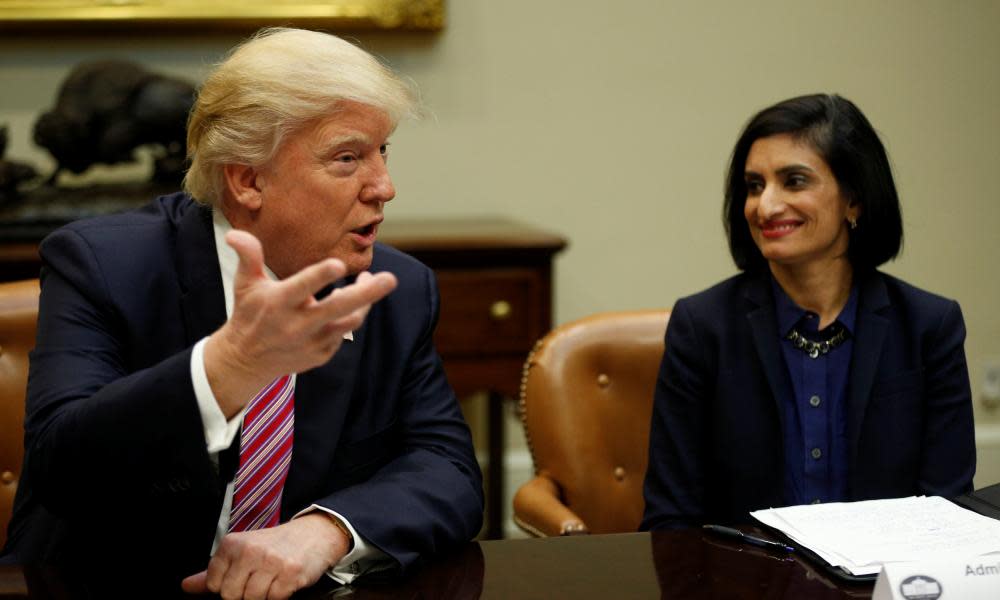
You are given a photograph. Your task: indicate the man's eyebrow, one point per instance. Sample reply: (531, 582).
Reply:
(345, 140)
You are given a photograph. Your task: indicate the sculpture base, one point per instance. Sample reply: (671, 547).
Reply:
(46, 208)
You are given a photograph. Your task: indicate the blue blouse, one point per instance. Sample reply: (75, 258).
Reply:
(815, 421)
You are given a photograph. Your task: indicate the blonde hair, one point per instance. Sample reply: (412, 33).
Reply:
(271, 86)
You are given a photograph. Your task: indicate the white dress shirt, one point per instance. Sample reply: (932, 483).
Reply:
(220, 432)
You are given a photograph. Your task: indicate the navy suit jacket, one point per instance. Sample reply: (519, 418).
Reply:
(116, 465)
(716, 449)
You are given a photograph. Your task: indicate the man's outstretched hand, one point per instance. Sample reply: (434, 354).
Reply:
(278, 327)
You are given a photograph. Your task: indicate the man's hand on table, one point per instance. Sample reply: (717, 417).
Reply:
(272, 563)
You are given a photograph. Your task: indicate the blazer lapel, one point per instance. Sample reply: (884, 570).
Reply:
(764, 327)
(869, 339)
(322, 399)
(203, 303)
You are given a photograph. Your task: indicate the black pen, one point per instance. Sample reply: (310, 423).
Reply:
(736, 534)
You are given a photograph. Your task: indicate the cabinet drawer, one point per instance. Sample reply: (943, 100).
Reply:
(489, 311)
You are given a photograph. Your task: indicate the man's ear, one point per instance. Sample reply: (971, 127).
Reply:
(243, 184)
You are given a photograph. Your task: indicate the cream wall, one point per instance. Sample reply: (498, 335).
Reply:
(611, 123)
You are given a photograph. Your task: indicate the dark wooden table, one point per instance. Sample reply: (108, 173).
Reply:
(677, 564)
(495, 277)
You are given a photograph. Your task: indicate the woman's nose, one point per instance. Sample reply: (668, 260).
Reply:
(771, 202)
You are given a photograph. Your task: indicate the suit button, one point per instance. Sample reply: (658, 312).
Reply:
(814, 401)
(816, 453)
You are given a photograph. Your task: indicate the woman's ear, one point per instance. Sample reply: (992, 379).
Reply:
(854, 210)
(853, 214)
(243, 184)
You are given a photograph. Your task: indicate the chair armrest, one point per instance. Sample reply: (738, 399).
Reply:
(539, 510)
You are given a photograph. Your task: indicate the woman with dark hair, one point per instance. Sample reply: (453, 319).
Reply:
(810, 376)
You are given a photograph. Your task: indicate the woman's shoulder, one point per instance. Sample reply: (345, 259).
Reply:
(909, 296)
(726, 293)
(722, 305)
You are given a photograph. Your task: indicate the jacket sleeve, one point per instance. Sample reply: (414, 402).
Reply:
(92, 423)
(675, 485)
(949, 451)
(428, 496)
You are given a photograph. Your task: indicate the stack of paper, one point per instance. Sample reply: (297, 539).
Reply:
(861, 536)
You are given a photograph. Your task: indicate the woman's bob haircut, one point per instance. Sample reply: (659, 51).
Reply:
(838, 131)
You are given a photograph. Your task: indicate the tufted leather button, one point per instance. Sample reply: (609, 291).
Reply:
(603, 380)
(619, 473)
(573, 529)
(7, 477)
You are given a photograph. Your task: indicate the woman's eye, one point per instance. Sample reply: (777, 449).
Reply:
(796, 181)
(754, 187)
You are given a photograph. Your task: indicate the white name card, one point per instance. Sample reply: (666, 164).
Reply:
(973, 579)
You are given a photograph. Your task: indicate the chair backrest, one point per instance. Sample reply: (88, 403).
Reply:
(18, 315)
(586, 403)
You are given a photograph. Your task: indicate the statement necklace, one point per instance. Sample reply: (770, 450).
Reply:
(814, 349)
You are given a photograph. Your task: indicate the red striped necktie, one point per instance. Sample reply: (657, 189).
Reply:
(265, 453)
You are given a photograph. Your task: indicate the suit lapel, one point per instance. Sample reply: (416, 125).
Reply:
(322, 399)
(764, 327)
(203, 302)
(869, 340)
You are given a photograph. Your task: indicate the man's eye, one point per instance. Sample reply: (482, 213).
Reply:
(345, 158)
(383, 149)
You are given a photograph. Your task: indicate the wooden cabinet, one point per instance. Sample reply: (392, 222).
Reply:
(495, 278)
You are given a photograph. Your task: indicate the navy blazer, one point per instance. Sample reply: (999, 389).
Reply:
(716, 450)
(116, 467)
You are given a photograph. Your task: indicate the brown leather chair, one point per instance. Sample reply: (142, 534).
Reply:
(18, 314)
(586, 402)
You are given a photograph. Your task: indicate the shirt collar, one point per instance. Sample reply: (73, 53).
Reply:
(229, 261)
(789, 314)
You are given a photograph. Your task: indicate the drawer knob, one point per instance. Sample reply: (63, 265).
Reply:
(500, 310)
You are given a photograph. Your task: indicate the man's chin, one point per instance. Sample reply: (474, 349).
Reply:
(358, 261)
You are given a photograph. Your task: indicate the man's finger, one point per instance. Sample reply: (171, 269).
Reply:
(304, 284)
(195, 584)
(258, 584)
(251, 254)
(362, 293)
(217, 568)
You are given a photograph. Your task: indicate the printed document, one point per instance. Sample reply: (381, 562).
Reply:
(861, 536)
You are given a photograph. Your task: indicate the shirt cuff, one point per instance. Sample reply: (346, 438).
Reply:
(363, 558)
(219, 433)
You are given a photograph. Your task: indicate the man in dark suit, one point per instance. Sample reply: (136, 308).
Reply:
(173, 339)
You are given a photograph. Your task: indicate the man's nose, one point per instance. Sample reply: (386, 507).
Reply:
(379, 187)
